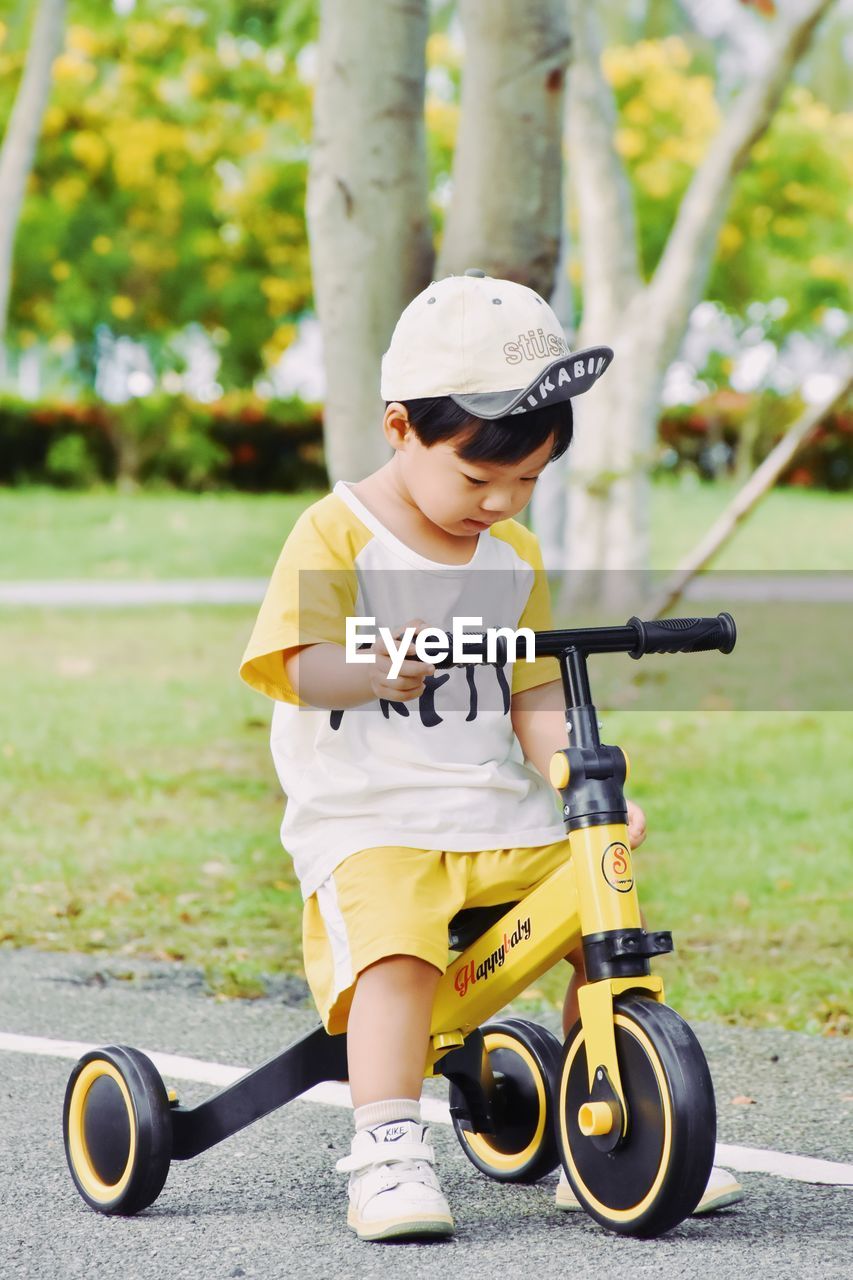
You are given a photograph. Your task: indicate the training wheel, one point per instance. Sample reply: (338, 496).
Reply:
(525, 1060)
(118, 1130)
(654, 1176)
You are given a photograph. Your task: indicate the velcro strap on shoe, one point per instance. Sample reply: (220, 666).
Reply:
(386, 1153)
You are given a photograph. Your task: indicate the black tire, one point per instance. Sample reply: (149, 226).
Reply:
(655, 1176)
(525, 1060)
(118, 1130)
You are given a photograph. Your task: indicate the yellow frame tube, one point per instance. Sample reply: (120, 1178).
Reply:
(522, 945)
(594, 891)
(607, 891)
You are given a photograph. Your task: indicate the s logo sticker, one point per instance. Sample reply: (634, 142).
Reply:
(616, 867)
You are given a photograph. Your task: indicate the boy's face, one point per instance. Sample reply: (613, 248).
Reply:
(464, 498)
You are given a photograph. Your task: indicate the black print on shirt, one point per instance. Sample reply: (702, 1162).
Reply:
(472, 694)
(426, 702)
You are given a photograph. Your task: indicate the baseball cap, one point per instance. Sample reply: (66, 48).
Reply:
(493, 346)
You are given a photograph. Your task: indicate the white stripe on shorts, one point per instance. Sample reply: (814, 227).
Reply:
(327, 900)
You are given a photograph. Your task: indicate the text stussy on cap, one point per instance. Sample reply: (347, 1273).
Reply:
(536, 344)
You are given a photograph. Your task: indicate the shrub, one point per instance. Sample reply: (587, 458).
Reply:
(731, 433)
(30, 435)
(239, 442)
(70, 464)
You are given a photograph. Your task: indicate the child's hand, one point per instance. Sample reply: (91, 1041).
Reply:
(409, 684)
(636, 824)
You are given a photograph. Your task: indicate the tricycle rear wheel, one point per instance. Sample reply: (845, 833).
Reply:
(525, 1059)
(118, 1130)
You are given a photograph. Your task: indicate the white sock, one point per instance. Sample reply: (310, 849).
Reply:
(377, 1113)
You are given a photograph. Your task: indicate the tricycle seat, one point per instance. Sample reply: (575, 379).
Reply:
(467, 925)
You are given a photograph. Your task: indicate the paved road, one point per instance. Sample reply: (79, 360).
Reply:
(267, 1203)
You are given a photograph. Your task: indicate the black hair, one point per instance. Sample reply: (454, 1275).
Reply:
(510, 439)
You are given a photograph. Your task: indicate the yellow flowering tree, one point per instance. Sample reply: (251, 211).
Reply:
(169, 182)
(781, 238)
(787, 233)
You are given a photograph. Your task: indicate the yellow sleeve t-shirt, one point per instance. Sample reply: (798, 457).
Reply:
(445, 772)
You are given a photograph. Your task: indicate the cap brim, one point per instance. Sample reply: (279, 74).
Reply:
(562, 379)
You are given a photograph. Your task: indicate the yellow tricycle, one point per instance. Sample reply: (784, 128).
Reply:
(626, 1104)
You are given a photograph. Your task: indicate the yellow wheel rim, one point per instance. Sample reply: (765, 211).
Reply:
(621, 1215)
(508, 1162)
(81, 1161)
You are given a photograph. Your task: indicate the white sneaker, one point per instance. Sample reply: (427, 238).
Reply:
(393, 1190)
(723, 1188)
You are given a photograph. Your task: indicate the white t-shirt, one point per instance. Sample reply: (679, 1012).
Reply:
(445, 771)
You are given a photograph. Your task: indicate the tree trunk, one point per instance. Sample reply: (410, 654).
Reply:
(548, 510)
(22, 133)
(747, 499)
(505, 212)
(609, 507)
(610, 495)
(368, 217)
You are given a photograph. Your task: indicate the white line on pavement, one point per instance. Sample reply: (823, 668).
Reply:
(176, 1067)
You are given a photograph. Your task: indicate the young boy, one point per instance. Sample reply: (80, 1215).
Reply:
(413, 793)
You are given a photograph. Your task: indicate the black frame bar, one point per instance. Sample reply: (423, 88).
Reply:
(309, 1061)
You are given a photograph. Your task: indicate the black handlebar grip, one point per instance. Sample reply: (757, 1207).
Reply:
(684, 635)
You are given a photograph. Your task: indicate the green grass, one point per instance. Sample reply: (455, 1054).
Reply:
(789, 656)
(142, 811)
(792, 529)
(141, 808)
(746, 861)
(171, 535)
(109, 534)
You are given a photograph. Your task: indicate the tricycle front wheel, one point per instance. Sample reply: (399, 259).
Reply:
(655, 1176)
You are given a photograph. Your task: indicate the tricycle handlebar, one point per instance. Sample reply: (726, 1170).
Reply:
(684, 635)
(671, 635)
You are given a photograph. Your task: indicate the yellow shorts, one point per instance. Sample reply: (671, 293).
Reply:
(393, 901)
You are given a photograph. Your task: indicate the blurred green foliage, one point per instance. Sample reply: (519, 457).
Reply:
(789, 229)
(169, 182)
(170, 179)
(787, 232)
